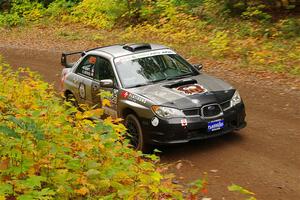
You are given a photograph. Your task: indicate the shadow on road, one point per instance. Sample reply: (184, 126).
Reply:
(200, 146)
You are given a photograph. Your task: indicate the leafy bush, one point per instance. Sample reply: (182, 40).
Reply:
(10, 19)
(220, 43)
(237, 7)
(180, 29)
(29, 10)
(60, 8)
(159, 9)
(50, 151)
(256, 12)
(99, 13)
(289, 28)
(20, 12)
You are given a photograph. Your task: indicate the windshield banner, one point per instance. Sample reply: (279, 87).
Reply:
(143, 55)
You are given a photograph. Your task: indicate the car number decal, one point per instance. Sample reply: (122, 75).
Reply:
(82, 92)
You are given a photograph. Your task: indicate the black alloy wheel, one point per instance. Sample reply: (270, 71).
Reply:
(136, 134)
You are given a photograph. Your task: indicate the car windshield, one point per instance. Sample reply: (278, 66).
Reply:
(135, 72)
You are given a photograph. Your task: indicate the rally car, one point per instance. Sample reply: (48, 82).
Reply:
(162, 98)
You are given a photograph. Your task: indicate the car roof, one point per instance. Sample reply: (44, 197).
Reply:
(121, 50)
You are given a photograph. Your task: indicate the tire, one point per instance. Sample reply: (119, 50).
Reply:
(71, 98)
(136, 134)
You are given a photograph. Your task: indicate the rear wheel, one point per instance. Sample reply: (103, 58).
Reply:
(71, 98)
(136, 134)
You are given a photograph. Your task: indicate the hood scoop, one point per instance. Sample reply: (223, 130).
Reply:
(180, 83)
(187, 87)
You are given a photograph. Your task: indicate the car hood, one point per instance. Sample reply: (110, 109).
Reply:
(188, 92)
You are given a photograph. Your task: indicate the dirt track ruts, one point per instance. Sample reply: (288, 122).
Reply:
(264, 157)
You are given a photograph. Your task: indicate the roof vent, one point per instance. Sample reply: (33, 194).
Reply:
(136, 47)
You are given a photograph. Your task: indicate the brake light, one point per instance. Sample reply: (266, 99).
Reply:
(63, 78)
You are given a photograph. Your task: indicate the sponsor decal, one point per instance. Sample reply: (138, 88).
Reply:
(132, 97)
(114, 98)
(215, 125)
(183, 122)
(88, 70)
(136, 98)
(143, 55)
(82, 92)
(124, 94)
(191, 89)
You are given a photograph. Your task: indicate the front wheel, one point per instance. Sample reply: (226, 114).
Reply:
(136, 134)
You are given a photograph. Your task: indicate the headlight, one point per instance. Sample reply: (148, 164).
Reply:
(167, 112)
(236, 99)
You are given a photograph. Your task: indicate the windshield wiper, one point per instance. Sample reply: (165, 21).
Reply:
(159, 80)
(179, 76)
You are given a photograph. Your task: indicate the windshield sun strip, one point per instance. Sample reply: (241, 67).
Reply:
(147, 82)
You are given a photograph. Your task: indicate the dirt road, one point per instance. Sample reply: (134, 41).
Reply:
(264, 157)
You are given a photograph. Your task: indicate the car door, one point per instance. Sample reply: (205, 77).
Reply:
(104, 71)
(83, 79)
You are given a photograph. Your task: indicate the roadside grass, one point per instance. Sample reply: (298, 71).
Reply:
(70, 35)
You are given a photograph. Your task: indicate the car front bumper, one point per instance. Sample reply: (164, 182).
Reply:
(171, 131)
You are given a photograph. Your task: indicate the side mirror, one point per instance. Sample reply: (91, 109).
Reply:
(198, 66)
(107, 83)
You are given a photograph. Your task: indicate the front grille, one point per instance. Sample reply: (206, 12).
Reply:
(211, 110)
(191, 112)
(225, 105)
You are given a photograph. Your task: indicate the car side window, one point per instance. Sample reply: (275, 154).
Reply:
(87, 66)
(103, 69)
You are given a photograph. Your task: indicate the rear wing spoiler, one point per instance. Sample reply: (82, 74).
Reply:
(64, 62)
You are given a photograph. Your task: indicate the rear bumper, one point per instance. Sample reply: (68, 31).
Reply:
(171, 131)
